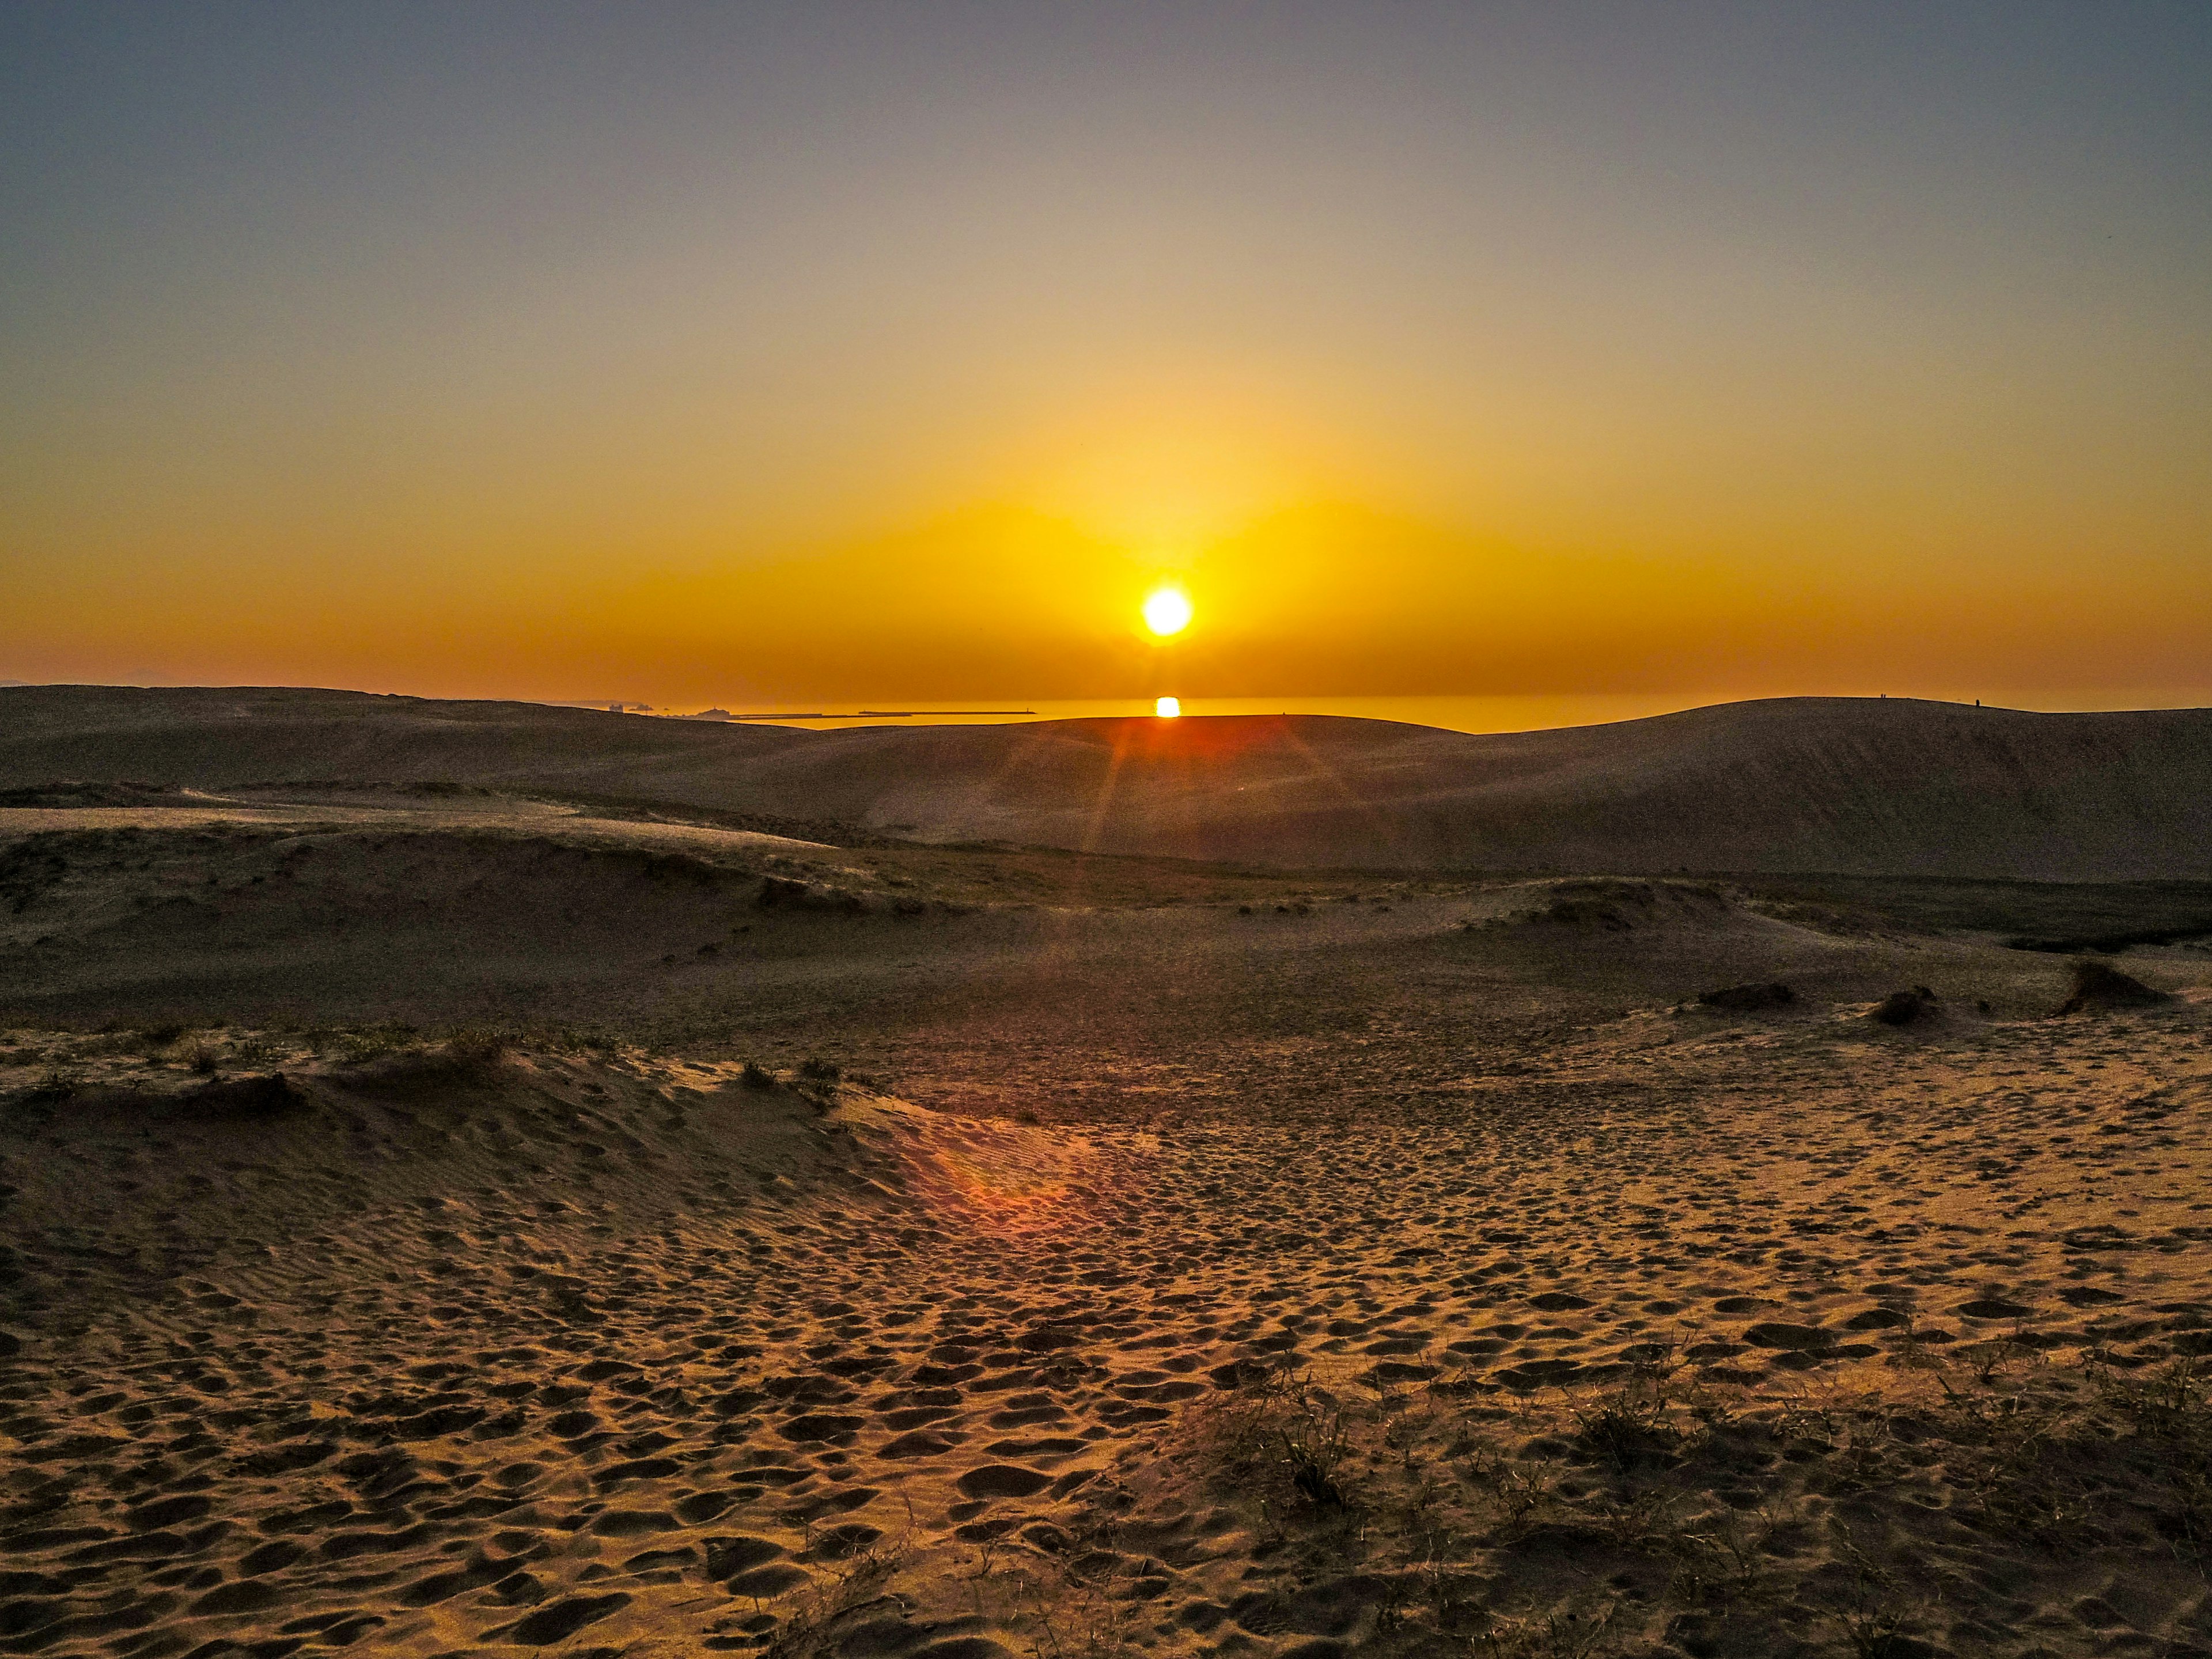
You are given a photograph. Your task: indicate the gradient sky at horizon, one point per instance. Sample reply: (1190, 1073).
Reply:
(752, 354)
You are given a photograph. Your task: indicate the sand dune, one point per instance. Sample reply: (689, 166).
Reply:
(216, 736)
(1874, 786)
(451, 1222)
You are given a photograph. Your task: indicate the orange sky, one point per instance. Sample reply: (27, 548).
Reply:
(829, 354)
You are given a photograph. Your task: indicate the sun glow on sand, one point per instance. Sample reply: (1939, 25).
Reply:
(1168, 708)
(1167, 611)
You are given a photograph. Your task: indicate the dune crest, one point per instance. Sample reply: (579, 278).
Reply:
(1874, 786)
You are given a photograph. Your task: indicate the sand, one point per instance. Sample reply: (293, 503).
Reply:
(543, 820)
(624, 1350)
(1155, 1258)
(1881, 787)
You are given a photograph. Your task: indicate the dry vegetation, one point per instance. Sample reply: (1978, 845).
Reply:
(1713, 1521)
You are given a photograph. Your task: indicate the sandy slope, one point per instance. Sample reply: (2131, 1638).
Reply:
(970, 975)
(1882, 786)
(1850, 785)
(623, 1352)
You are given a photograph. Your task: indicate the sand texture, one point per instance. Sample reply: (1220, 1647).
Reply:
(1099, 1257)
(492, 1354)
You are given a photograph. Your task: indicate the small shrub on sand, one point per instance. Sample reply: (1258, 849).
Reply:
(268, 1096)
(1273, 1434)
(1313, 1448)
(757, 1076)
(358, 1047)
(841, 1595)
(2100, 985)
(477, 1046)
(396, 1054)
(1627, 1429)
(2168, 1414)
(782, 890)
(818, 1069)
(200, 1054)
(1904, 1007)
(58, 1083)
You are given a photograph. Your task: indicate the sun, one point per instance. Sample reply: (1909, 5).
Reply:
(1167, 611)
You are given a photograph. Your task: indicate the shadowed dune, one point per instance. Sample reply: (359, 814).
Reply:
(1854, 785)
(222, 737)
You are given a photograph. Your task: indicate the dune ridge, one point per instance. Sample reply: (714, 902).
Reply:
(1852, 786)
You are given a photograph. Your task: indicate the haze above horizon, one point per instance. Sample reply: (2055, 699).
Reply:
(1560, 357)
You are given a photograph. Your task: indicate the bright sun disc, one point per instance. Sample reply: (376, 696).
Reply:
(1168, 708)
(1167, 612)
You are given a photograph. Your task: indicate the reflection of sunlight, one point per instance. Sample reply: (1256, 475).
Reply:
(1006, 1187)
(1163, 754)
(1015, 1199)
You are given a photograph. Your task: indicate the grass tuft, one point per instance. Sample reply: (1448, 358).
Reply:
(478, 1046)
(1629, 1429)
